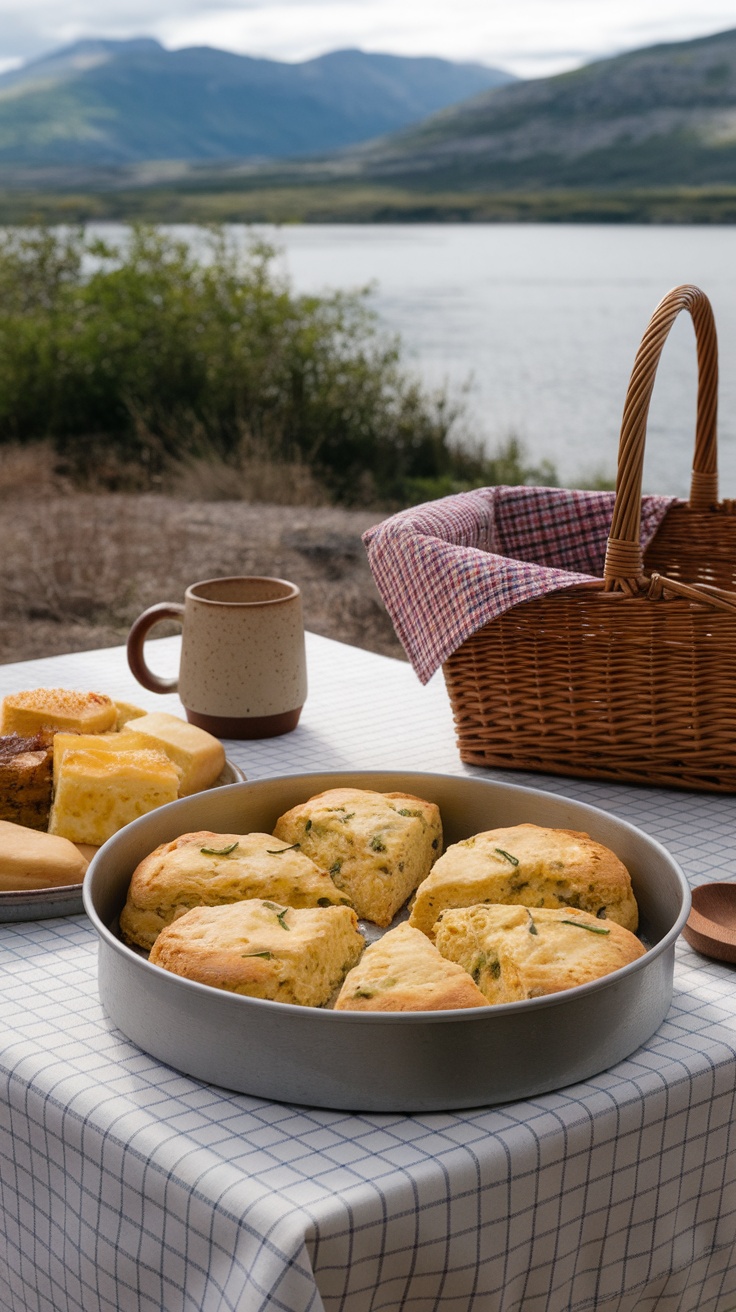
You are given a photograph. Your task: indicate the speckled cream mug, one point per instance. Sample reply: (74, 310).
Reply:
(243, 669)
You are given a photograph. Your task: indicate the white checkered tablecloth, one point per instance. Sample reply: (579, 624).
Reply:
(126, 1186)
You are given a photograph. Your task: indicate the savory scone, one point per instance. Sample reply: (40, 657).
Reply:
(515, 952)
(264, 950)
(57, 708)
(208, 869)
(25, 780)
(96, 795)
(376, 846)
(31, 859)
(531, 866)
(403, 971)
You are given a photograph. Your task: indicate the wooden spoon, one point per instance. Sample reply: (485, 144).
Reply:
(711, 925)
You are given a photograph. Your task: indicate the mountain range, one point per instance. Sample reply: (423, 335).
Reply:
(662, 116)
(118, 103)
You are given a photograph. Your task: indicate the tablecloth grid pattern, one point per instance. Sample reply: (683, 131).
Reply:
(126, 1185)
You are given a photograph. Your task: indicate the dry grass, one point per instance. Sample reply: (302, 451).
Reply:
(79, 567)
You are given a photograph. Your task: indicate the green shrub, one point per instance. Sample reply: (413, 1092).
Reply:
(156, 352)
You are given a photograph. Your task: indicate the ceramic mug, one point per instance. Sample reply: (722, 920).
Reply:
(243, 671)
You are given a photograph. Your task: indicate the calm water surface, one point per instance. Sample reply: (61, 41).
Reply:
(544, 321)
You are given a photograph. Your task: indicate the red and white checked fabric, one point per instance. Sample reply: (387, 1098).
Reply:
(445, 568)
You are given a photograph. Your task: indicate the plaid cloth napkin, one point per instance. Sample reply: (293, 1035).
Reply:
(444, 569)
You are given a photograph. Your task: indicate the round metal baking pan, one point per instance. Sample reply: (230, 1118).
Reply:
(405, 1062)
(17, 905)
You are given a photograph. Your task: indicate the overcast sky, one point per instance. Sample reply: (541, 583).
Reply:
(529, 37)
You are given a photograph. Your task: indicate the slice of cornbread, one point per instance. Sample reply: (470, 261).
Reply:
(102, 744)
(57, 708)
(198, 755)
(264, 950)
(514, 952)
(127, 711)
(403, 971)
(25, 780)
(376, 846)
(96, 795)
(528, 865)
(208, 869)
(30, 859)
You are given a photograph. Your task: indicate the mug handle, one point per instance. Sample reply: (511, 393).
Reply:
(163, 610)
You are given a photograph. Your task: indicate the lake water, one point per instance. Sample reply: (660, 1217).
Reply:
(544, 320)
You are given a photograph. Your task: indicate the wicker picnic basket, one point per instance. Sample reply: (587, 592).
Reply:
(632, 677)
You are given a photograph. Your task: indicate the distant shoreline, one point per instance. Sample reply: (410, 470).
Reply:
(240, 201)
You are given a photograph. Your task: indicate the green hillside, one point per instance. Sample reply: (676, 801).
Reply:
(116, 103)
(662, 116)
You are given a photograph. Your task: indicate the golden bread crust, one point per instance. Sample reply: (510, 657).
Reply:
(528, 865)
(403, 971)
(515, 952)
(210, 869)
(376, 846)
(263, 950)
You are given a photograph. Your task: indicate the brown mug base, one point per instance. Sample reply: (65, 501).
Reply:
(246, 726)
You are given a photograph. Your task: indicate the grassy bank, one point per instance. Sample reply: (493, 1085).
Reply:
(243, 200)
(137, 362)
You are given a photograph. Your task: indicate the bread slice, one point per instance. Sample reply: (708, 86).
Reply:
(30, 859)
(263, 950)
(403, 971)
(96, 795)
(57, 708)
(376, 846)
(101, 744)
(127, 711)
(514, 953)
(25, 780)
(208, 869)
(198, 755)
(528, 865)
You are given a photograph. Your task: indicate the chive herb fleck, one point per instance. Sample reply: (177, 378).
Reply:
(377, 845)
(280, 913)
(532, 927)
(219, 851)
(276, 851)
(267, 956)
(506, 856)
(592, 929)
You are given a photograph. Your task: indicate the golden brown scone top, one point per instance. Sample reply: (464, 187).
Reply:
(376, 846)
(263, 950)
(528, 865)
(210, 869)
(514, 953)
(403, 971)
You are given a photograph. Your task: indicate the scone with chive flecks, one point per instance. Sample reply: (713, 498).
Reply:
(514, 953)
(403, 971)
(377, 847)
(263, 950)
(209, 869)
(528, 865)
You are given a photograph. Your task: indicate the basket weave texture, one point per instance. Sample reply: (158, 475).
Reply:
(624, 669)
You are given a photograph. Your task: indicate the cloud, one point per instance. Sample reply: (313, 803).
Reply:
(531, 37)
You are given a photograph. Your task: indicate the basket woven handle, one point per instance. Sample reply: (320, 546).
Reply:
(624, 565)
